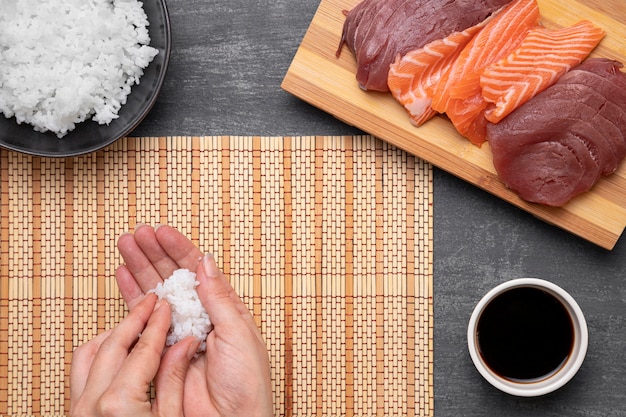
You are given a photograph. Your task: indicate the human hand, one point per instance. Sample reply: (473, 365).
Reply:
(111, 374)
(232, 377)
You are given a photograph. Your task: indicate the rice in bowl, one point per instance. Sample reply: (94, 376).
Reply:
(66, 61)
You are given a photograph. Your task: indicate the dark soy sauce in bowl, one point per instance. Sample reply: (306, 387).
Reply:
(525, 334)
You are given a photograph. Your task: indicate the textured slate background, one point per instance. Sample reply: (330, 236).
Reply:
(228, 60)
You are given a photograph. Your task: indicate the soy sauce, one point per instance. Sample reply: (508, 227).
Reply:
(525, 334)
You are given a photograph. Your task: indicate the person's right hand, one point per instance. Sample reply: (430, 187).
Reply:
(232, 377)
(111, 374)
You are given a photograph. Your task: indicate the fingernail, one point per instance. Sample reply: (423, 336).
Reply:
(193, 348)
(210, 267)
(138, 225)
(157, 226)
(158, 304)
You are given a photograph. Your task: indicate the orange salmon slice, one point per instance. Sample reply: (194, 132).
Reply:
(413, 77)
(460, 94)
(541, 59)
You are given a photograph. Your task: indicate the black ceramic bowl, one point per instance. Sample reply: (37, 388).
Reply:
(90, 136)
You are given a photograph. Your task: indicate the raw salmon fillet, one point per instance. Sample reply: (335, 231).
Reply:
(542, 58)
(413, 77)
(460, 95)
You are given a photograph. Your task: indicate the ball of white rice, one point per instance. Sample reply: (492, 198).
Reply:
(189, 318)
(66, 61)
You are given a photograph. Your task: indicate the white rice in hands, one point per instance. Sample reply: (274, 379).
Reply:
(65, 61)
(189, 318)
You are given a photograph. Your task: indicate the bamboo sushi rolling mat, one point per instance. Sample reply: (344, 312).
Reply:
(328, 240)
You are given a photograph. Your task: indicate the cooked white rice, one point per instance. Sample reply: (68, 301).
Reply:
(65, 61)
(189, 318)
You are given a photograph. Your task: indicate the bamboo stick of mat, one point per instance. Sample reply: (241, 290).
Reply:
(328, 240)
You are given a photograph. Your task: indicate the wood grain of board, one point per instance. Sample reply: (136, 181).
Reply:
(318, 77)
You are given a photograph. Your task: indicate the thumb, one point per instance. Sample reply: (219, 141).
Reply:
(217, 295)
(170, 379)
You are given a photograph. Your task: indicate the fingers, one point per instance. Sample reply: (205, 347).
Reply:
(137, 261)
(217, 295)
(170, 379)
(152, 255)
(117, 378)
(128, 286)
(157, 255)
(167, 249)
(142, 363)
(113, 351)
(178, 247)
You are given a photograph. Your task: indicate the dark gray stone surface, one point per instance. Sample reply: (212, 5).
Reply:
(228, 60)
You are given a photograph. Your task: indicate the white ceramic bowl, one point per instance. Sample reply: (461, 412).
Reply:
(554, 381)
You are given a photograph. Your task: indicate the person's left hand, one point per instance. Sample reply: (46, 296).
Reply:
(111, 374)
(232, 378)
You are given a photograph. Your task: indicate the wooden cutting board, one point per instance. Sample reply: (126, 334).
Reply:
(317, 76)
